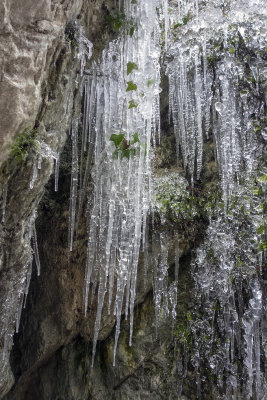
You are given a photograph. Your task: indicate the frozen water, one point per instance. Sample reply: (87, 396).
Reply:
(121, 118)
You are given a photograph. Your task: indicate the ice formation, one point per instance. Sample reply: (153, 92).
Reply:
(216, 89)
(120, 124)
(12, 306)
(44, 151)
(205, 88)
(120, 121)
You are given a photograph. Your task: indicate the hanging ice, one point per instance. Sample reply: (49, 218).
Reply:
(74, 180)
(121, 118)
(200, 86)
(44, 151)
(4, 202)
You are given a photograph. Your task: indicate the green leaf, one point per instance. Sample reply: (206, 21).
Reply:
(262, 178)
(257, 192)
(131, 86)
(130, 67)
(131, 31)
(262, 246)
(261, 229)
(117, 139)
(135, 138)
(150, 82)
(189, 316)
(132, 104)
(116, 21)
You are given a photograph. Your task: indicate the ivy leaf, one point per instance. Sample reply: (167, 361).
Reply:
(131, 86)
(130, 67)
(150, 82)
(131, 32)
(132, 104)
(127, 152)
(135, 138)
(117, 139)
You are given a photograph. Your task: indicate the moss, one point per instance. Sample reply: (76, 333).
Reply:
(71, 34)
(24, 143)
(116, 21)
(183, 334)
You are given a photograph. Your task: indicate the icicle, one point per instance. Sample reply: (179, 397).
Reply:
(34, 175)
(56, 172)
(122, 171)
(36, 251)
(198, 95)
(4, 202)
(197, 9)
(19, 311)
(85, 50)
(74, 181)
(101, 297)
(166, 21)
(28, 280)
(177, 256)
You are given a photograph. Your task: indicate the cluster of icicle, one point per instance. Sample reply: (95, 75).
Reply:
(204, 92)
(44, 152)
(121, 97)
(230, 336)
(12, 306)
(207, 95)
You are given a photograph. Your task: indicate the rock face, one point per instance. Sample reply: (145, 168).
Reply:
(53, 326)
(30, 42)
(55, 338)
(39, 67)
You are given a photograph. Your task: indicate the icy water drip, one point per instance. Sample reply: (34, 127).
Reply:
(120, 121)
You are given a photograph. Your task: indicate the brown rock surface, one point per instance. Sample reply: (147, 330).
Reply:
(38, 69)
